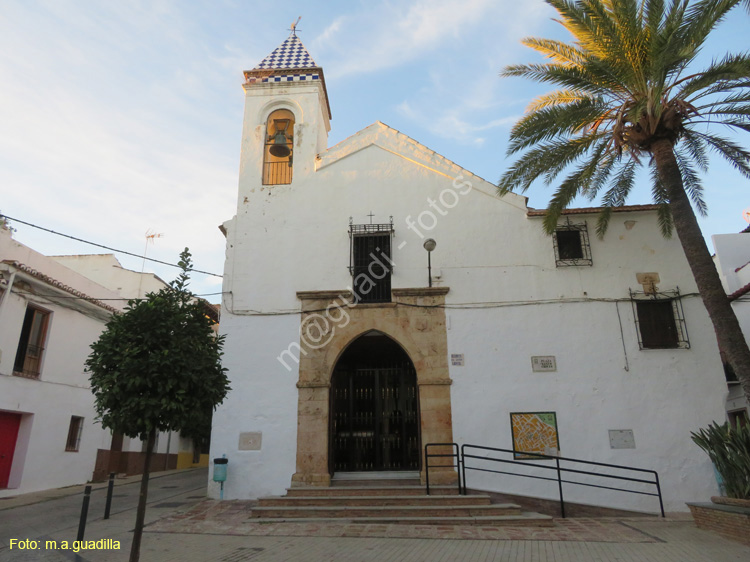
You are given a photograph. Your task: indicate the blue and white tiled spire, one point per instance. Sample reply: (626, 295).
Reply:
(290, 54)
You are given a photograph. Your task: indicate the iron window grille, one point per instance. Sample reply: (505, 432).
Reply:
(660, 320)
(571, 243)
(370, 262)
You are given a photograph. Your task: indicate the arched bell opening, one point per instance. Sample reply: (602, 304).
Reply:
(278, 148)
(374, 408)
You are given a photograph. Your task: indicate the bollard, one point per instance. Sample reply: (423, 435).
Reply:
(84, 512)
(110, 488)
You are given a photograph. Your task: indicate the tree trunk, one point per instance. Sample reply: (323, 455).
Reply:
(135, 548)
(728, 332)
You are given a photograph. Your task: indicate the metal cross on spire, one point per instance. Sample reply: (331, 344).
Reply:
(370, 215)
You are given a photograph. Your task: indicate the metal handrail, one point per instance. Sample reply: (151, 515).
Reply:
(463, 455)
(457, 464)
(559, 470)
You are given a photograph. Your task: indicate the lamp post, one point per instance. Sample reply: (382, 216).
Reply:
(429, 245)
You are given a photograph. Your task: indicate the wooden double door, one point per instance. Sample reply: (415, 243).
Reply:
(374, 423)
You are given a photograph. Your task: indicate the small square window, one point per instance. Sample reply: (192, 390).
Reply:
(571, 243)
(660, 320)
(74, 433)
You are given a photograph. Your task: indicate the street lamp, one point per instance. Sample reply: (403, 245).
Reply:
(429, 245)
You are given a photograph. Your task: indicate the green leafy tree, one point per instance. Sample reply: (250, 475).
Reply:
(157, 367)
(630, 96)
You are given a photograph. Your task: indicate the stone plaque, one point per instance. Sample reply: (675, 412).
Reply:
(250, 441)
(621, 439)
(543, 363)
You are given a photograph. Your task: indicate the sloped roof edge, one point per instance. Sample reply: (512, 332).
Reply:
(377, 132)
(593, 210)
(58, 284)
(368, 136)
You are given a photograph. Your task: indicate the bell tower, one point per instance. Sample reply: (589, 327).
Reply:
(287, 119)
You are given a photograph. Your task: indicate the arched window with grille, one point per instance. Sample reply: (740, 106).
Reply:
(278, 148)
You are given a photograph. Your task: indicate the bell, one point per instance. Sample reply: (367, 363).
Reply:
(279, 148)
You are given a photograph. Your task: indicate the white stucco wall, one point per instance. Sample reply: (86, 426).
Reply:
(106, 270)
(507, 302)
(731, 257)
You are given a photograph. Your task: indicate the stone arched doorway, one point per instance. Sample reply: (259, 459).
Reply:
(417, 322)
(374, 421)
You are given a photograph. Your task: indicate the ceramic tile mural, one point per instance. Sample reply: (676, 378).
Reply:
(535, 432)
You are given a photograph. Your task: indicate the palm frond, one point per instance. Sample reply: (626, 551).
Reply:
(557, 51)
(696, 149)
(585, 78)
(738, 157)
(691, 183)
(546, 156)
(701, 18)
(560, 120)
(616, 195)
(733, 67)
(558, 97)
(661, 198)
(597, 144)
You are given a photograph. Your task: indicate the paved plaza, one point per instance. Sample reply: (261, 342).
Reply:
(184, 526)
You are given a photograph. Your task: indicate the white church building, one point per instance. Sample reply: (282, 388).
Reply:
(378, 297)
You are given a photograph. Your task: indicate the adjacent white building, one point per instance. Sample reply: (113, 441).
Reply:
(346, 354)
(49, 316)
(732, 258)
(52, 308)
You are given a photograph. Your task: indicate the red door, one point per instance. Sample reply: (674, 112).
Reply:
(9, 424)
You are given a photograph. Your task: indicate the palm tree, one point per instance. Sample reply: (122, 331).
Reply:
(628, 97)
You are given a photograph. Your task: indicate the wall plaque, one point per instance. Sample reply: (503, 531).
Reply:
(543, 363)
(621, 439)
(250, 441)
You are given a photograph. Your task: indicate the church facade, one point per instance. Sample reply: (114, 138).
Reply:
(378, 297)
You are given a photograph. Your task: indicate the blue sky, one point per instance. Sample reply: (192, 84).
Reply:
(122, 118)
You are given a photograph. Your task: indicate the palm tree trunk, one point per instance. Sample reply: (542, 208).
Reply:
(135, 548)
(728, 332)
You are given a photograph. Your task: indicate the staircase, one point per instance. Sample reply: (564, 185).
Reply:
(386, 502)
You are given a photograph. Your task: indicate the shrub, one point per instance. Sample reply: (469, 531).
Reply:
(729, 449)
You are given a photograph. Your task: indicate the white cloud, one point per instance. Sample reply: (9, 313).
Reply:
(391, 34)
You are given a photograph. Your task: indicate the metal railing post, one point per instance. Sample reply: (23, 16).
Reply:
(110, 488)
(84, 513)
(427, 469)
(658, 491)
(463, 468)
(559, 485)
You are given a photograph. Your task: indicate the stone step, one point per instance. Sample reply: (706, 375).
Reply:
(319, 491)
(391, 482)
(377, 500)
(391, 511)
(525, 519)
